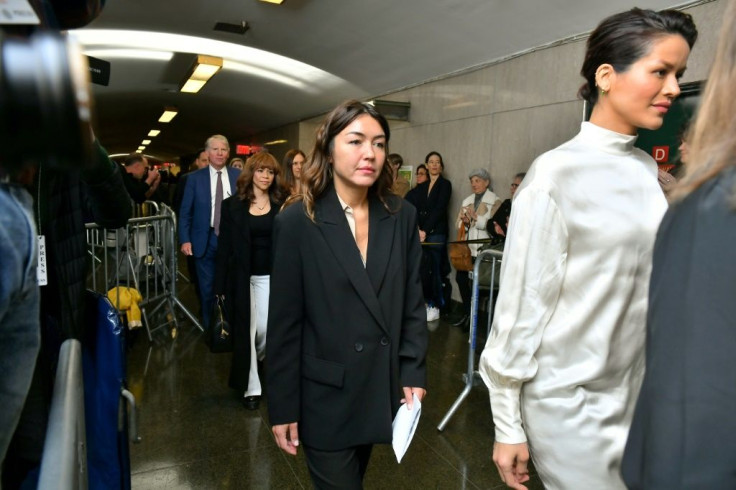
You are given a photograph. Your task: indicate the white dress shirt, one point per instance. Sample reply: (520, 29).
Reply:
(225, 190)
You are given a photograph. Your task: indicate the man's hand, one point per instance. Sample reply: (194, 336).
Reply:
(512, 462)
(186, 248)
(287, 437)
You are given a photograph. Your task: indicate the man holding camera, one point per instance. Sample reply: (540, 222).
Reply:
(140, 182)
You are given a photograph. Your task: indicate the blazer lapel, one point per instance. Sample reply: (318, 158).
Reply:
(380, 242)
(336, 232)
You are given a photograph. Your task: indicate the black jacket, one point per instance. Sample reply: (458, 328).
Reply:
(432, 207)
(64, 200)
(683, 435)
(344, 338)
(232, 278)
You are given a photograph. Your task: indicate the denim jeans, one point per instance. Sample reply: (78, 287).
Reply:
(20, 330)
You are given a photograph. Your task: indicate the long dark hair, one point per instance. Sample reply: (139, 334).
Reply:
(244, 184)
(317, 172)
(622, 39)
(288, 164)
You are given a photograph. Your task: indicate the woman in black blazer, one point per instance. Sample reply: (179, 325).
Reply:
(243, 266)
(347, 334)
(431, 199)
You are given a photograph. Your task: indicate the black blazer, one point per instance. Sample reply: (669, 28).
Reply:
(432, 208)
(343, 339)
(684, 430)
(232, 278)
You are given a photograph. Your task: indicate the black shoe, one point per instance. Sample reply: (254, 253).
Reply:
(251, 402)
(463, 319)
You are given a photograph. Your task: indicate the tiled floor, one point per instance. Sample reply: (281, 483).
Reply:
(197, 435)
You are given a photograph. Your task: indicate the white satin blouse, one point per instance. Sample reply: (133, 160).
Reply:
(565, 358)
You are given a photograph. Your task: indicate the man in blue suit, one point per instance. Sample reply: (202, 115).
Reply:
(199, 216)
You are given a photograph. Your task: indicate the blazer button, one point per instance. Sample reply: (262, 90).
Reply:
(384, 341)
(358, 347)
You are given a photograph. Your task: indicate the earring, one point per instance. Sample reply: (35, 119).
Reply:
(603, 92)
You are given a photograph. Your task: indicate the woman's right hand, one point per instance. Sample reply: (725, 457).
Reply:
(512, 462)
(287, 437)
(422, 236)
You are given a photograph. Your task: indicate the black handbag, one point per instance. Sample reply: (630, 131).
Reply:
(218, 337)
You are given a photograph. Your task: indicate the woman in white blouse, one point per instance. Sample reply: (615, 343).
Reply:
(565, 358)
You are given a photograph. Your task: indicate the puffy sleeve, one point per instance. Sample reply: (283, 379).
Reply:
(531, 279)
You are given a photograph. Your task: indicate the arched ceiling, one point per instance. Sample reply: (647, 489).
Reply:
(299, 59)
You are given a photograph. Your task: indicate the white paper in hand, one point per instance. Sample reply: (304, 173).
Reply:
(404, 425)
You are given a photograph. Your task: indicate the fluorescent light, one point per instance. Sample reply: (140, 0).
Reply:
(276, 142)
(138, 151)
(203, 68)
(169, 114)
(192, 86)
(277, 2)
(260, 63)
(140, 54)
(146, 142)
(154, 132)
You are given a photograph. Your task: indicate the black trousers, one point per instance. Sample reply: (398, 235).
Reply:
(338, 470)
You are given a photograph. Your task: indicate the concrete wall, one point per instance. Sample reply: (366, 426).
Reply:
(503, 116)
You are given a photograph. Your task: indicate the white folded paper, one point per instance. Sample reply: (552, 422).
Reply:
(404, 425)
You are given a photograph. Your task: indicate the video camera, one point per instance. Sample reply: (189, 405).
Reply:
(45, 97)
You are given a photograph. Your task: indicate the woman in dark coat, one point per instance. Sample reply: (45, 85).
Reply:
(243, 268)
(347, 336)
(431, 199)
(683, 435)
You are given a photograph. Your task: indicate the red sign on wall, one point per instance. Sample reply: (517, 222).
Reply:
(661, 154)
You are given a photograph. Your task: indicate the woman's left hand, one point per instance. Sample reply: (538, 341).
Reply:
(408, 395)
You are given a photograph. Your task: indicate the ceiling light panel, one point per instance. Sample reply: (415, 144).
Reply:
(263, 64)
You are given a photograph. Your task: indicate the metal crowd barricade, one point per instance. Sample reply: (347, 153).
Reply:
(472, 376)
(64, 463)
(143, 255)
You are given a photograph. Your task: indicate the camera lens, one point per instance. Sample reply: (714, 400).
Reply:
(45, 102)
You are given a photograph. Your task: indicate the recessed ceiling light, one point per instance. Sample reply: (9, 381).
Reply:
(146, 142)
(277, 2)
(154, 132)
(203, 68)
(169, 114)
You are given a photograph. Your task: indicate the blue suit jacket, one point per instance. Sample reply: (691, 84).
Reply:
(196, 208)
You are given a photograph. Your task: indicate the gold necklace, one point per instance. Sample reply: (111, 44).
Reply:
(260, 208)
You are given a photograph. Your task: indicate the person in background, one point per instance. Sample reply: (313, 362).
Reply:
(199, 217)
(292, 166)
(140, 181)
(20, 331)
(683, 435)
(501, 216)
(237, 163)
(201, 161)
(62, 198)
(668, 180)
(565, 358)
(431, 199)
(422, 174)
(475, 215)
(244, 267)
(400, 186)
(347, 334)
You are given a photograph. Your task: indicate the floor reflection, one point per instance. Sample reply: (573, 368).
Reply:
(197, 435)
